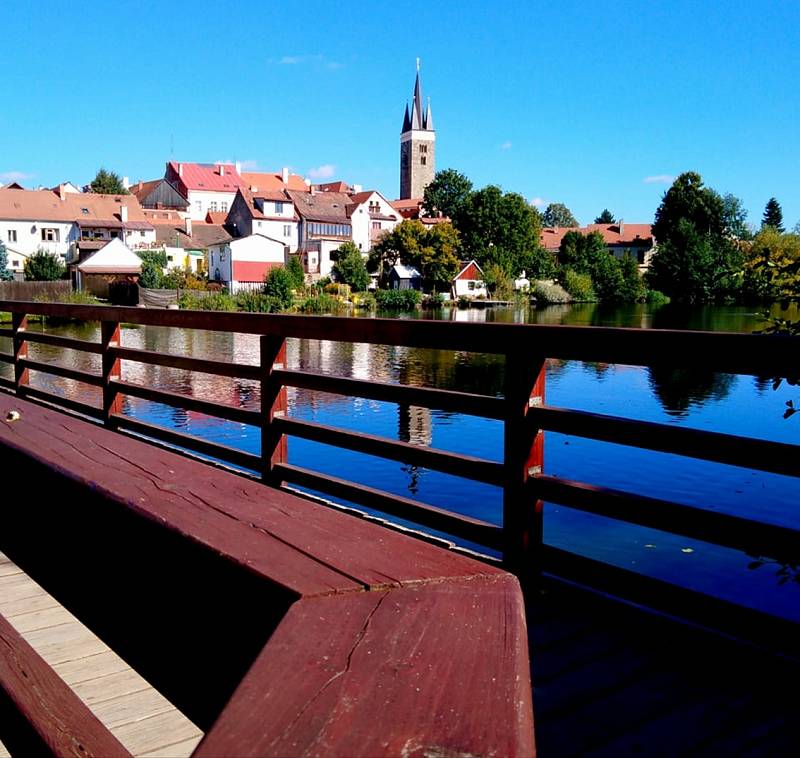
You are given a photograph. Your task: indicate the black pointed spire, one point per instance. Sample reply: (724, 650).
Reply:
(417, 114)
(406, 122)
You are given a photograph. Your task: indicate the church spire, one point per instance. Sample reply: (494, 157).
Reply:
(406, 122)
(428, 124)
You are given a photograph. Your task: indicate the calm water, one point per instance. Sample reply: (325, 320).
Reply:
(735, 404)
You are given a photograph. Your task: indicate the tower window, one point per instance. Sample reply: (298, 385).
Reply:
(423, 148)
(423, 160)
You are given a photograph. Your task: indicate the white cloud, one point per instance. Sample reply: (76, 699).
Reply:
(14, 176)
(291, 60)
(506, 145)
(325, 171)
(659, 179)
(538, 202)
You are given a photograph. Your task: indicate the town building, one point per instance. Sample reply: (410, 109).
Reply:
(621, 239)
(417, 146)
(269, 212)
(244, 262)
(67, 224)
(403, 277)
(205, 186)
(468, 282)
(159, 194)
(186, 243)
(371, 216)
(113, 264)
(324, 225)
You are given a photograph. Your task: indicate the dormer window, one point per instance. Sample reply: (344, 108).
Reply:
(85, 211)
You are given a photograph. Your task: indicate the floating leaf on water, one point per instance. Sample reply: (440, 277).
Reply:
(687, 549)
(650, 546)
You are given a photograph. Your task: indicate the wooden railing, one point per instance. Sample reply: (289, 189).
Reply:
(522, 409)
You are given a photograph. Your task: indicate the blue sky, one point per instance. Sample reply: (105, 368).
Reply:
(590, 104)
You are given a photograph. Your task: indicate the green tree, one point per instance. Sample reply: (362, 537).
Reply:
(502, 228)
(433, 250)
(107, 183)
(632, 289)
(5, 274)
(772, 266)
(695, 260)
(447, 195)
(351, 270)
(557, 214)
(606, 217)
(43, 266)
(295, 269)
(607, 277)
(580, 251)
(734, 216)
(153, 264)
(773, 215)
(278, 285)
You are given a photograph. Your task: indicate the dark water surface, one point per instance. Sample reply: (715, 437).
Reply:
(698, 399)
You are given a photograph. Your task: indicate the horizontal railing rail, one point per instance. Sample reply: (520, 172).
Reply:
(521, 409)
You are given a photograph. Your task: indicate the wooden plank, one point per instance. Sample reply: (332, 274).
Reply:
(182, 749)
(6, 357)
(447, 400)
(130, 707)
(42, 618)
(764, 455)
(751, 536)
(62, 722)
(68, 343)
(467, 466)
(91, 667)
(474, 530)
(68, 373)
(110, 686)
(7, 384)
(298, 544)
(21, 374)
(326, 693)
(190, 442)
(37, 600)
(219, 368)
(65, 642)
(274, 446)
(178, 400)
(157, 733)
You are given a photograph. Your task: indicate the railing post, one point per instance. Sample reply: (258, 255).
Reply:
(19, 323)
(274, 447)
(523, 460)
(112, 400)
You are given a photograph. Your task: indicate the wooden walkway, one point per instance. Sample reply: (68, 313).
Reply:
(142, 719)
(612, 680)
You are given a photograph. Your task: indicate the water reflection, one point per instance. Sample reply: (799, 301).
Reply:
(679, 390)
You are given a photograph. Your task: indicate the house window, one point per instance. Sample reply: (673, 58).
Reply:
(376, 224)
(50, 235)
(470, 285)
(14, 264)
(114, 235)
(142, 233)
(287, 230)
(223, 206)
(278, 207)
(198, 204)
(12, 235)
(212, 206)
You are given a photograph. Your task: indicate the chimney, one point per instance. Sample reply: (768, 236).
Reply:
(621, 228)
(188, 226)
(123, 213)
(285, 175)
(126, 182)
(239, 167)
(180, 169)
(221, 170)
(357, 188)
(61, 193)
(141, 184)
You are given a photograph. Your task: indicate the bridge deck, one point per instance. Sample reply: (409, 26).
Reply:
(142, 719)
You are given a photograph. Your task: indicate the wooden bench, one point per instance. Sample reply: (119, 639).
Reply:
(285, 627)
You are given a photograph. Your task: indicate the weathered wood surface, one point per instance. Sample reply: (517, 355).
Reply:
(430, 646)
(105, 693)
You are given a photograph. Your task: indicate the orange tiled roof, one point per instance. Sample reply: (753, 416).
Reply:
(46, 205)
(269, 182)
(629, 234)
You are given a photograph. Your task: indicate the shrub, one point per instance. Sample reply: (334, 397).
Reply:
(577, 285)
(463, 301)
(71, 298)
(656, 297)
(257, 302)
(278, 285)
(434, 300)
(44, 267)
(220, 301)
(498, 282)
(547, 294)
(398, 300)
(633, 289)
(365, 300)
(295, 270)
(607, 277)
(321, 304)
(350, 269)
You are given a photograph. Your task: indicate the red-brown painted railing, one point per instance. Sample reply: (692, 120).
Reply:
(522, 409)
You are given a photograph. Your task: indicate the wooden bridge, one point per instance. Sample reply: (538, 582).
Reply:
(150, 600)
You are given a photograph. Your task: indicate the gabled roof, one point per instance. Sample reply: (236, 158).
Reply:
(466, 266)
(162, 216)
(203, 235)
(114, 258)
(204, 177)
(260, 182)
(46, 205)
(405, 272)
(328, 207)
(635, 235)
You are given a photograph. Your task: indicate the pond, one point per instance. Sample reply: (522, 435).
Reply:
(698, 399)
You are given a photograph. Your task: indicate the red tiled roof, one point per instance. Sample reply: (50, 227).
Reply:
(162, 216)
(46, 205)
(217, 217)
(252, 271)
(266, 182)
(630, 234)
(205, 177)
(333, 187)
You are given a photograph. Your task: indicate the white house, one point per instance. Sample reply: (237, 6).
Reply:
(240, 263)
(267, 212)
(469, 282)
(371, 215)
(16, 262)
(207, 187)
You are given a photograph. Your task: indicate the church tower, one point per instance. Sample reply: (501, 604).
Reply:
(417, 147)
